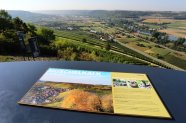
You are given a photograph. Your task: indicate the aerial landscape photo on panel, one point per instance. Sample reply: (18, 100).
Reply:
(72, 96)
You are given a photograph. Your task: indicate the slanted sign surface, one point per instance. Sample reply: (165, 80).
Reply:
(34, 47)
(96, 91)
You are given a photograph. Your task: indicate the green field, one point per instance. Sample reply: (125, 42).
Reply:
(98, 53)
(112, 37)
(178, 24)
(96, 26)
(156, 51)
(176, 61)
(177, 28)
(77, 36)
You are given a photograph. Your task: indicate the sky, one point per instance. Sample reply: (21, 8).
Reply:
(143, 5)
(77, 76)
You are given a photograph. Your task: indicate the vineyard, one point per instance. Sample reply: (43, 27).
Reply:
(78, 48)
(76, 37)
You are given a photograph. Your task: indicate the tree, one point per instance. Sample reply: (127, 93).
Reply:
(4, 14)
(32, 29)
(157, 35)
(180, 41)
(166, 39)
(107, 46)
(46, 34)
(111, 40)
(19, 25)
(4, 25)
(5, 21)
(67, 54)
(84, 40)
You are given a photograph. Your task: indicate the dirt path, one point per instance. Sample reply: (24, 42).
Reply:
(134, 58)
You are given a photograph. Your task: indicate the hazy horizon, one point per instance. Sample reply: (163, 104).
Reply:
(127, 5)
(92, 10)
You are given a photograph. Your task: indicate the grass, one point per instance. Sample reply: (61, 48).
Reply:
(176, 61)
(76, 37)
(106, 56)
(160, 51)
(177, 28)
(7, 58)
(54, 105)
(127, 40)
(107, 30)
(178, 24)
(158, 21)
(57, 85)
(97, 26)
(151, 49)
(176, 32)
(153, 26)
(133, 42)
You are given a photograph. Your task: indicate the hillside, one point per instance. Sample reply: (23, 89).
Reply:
(35, 16)
(116, 13)
(31, 16)
(130, 37)
(52, 46)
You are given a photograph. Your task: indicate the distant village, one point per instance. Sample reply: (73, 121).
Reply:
(137, 29)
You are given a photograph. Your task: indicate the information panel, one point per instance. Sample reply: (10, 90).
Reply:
(95, 91)
(133, 94)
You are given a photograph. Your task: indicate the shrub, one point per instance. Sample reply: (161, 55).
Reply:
(81, 100)
(107, 103)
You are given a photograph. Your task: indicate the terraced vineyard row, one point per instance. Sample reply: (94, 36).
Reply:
(78, 36)
(105, 55)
